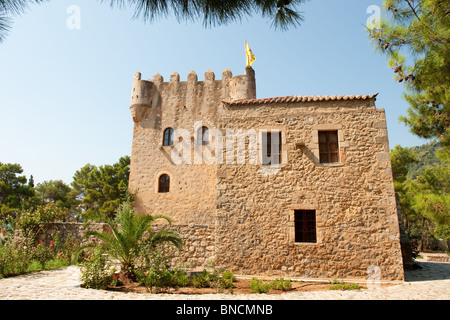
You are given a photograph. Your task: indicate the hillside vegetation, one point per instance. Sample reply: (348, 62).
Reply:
(422, 183)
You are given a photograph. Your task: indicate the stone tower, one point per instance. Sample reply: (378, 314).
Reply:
(325, 208)
(157, 105)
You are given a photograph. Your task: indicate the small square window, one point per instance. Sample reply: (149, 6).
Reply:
(305, 226)
(328, 146)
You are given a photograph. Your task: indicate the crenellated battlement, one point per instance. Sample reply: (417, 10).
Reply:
(148, 94)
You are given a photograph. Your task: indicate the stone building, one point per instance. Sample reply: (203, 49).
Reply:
(296, 186)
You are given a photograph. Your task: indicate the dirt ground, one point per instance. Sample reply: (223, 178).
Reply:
(242, 286)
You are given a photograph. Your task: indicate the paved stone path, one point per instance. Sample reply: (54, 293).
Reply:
(432, 282)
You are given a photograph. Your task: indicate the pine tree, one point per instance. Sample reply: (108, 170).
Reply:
(14, 190)
(211, 12)
(31, 182)
(102, 189)
(415, 36)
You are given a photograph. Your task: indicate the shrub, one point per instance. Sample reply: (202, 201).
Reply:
(17, 258)
(41, 253)
(14, 259)
(180, 278)
(65, 250)
(227, 279)
(160, 280)
(31, 222)
(116, 281)
(228, 275)
(34, 266)
(203, 280)
(94, 271)
(56, 264)
(25, 254)
(282, 284)
(257, 286)
(341, 285)
(155, 271)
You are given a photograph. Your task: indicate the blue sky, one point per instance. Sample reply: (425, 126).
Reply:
(65, 93)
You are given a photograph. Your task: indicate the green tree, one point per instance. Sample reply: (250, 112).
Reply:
(428, 155)
(415, 36)
(424, 199)
(102, 189)
(131, 236)
(431, 197)
(14, 190)
(211, 12)
(412, 222)
(401, 159)
(57, 192)
(31, 181)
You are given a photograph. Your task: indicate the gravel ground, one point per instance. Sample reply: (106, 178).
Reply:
(432, 282)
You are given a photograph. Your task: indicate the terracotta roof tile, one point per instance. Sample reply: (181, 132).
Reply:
(294, 99)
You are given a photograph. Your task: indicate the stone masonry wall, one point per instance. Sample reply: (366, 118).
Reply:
(357, 224)
(199, 240)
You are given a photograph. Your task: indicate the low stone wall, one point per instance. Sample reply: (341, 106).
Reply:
(199, 245)
(435, 256)
(197, 252)
(70, 229)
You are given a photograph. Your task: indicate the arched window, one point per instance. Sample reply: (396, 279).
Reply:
(202, 136)
(168, 137)
(163, 183)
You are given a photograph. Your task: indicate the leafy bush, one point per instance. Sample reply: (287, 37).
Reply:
(227, 279)
(160, 280)
(180, 278)
(203, 280)
(56, 264)
(282, 284)
(41, 253)
(228, 275)
(19, 257)
(257, 286)
(217, 279)
(341, 285)
(14, 259)
(94, 271)
(115, 281)
(65, 250)
(31, 222)
(34, 266)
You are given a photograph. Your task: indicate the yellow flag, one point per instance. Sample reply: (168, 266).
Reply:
(249, 55)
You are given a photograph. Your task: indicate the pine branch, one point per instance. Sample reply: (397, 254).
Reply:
(413, 9)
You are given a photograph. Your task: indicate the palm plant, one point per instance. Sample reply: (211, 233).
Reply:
(130, 234)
